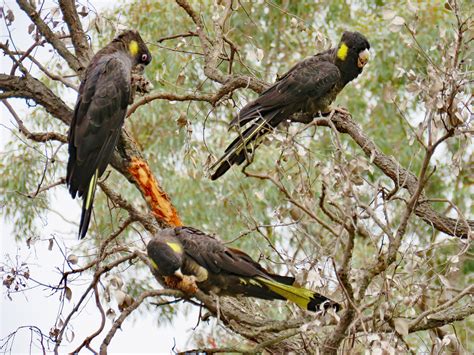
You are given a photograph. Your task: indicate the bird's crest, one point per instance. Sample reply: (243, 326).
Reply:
(342, 51)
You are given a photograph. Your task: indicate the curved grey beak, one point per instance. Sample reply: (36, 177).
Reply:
(363, 58)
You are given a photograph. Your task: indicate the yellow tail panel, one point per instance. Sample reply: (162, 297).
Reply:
(300, 296)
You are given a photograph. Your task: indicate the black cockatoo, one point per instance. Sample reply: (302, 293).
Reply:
(309, 87)
(222, 270)
(101, 106)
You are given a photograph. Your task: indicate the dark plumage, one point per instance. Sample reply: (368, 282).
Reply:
(309, 87)
(100, 111)
(222, 270)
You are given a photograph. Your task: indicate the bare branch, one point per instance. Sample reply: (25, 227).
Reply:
(213, 47)
(145, 219)
(98, 273)
(86, 342)
(400, 176)
(50, 36)
(37, 137)
(28, 87)
(52, 75)
(78, 36)
(127, 311)
(468, 290)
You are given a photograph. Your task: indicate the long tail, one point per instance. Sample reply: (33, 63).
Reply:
(303, 297)
(88, 202)
(235, 152)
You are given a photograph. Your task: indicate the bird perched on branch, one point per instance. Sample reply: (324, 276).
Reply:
(186, 251)
(309, 87)
(100, 111)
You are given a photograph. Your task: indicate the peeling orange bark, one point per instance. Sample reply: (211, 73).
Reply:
(157, 199)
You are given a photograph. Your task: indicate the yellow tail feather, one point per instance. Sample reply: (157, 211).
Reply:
(300, 296)
(91, 190)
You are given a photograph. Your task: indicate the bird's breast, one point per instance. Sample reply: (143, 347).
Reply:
(321, 104)
(190, 267)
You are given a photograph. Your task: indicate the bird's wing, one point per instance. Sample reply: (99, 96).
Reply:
(214, 256)
(98, 116)
(309, 79)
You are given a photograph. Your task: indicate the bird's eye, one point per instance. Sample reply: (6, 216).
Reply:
(144, 57)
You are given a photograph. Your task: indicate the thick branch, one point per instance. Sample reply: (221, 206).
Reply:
(445, 317)
(78, 36)
(28, 87)
(441, 308)
(60, 47)
(433, 321)
(399, 175)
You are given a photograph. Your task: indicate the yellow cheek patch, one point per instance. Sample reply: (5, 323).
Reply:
(342, 51)
(176, 247)
(133, 48)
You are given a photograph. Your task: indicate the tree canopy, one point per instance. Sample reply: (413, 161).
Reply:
(372, 208)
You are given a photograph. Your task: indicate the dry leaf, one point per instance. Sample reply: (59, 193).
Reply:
(401, 326)
(73, 259)
(182, 121)
(68, 293)
(388, 14)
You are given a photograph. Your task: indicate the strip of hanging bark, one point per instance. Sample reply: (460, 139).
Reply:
(157, 199)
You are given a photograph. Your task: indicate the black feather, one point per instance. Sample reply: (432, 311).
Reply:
(309, 87)
(100, 111)
(229, 271)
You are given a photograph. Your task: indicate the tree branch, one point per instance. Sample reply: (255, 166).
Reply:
(126, 312)
(399, 175)
(37, 137)
(50, 36)
(28, 87)
(78, 36)
(212, 49)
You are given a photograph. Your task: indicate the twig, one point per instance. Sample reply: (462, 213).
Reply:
(179, 35)
(78, 36)
(35, 136)
(72, 61)
(127, 311)
(98, 273)
(87, 340)
(466, 291)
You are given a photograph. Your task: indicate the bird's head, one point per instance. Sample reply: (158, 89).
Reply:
(352, 54)
(166, 252)
(135, 46)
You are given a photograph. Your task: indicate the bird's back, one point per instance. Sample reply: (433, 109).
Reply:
(98, 116)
